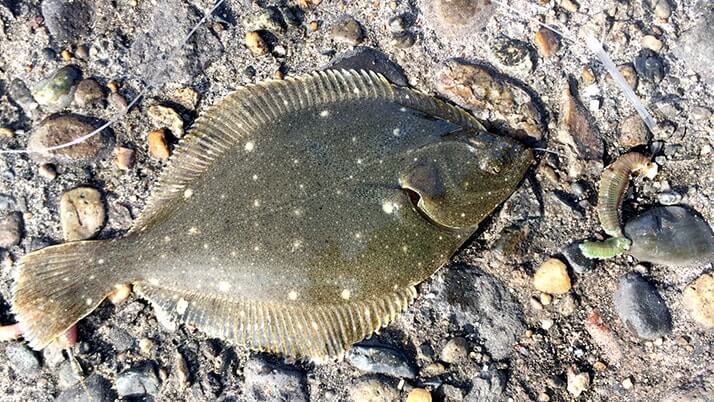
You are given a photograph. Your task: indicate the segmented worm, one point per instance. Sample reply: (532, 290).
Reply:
(613, 184)
(608, 248)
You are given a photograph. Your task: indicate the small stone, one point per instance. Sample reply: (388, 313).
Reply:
(641, 308)
(397, 24)
(649, 66)
(455, 350)
(118, 101)
(6, 133)
(552, 277)
(577, 130)
(10, 230)
(48, 171)
(370, 59)
(347, 30)
(513, 53)
(379, 359)
(450, 393)
(124, 157)
(138, 381)
(256, 44)
(569, 5)
(588, 75)
(652, 43)
(267, 382)
(166, 117)
(22, 360)
(82, 52)
(577, 261)
(546, 42)
(627, 383)
(543, 397)
(66, 55)
(599, 366)
(186, 97)
(662, 9)
(7, 202)
(313, 25)
(368, 389)
(19, 93)
(88, 92)
(670, 235)
(113, 86)
(56, 91)
(182, 374)
(633, 132)
(82, 213)
(547, 323)
(93, 389)
(488, 385)
(567, 305)
(628, 73)
(146, 346)
(403, 40)
(419, 395)
(158, 149)
(433, 369)
(456, 18)
(577, 382)
(669, 198)
(545, 299)
(62, 129)
(698, 298)
(263, 19)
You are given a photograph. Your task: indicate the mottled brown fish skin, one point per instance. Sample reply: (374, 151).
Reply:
(320, 204)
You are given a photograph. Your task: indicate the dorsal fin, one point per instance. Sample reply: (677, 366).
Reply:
(306, 331)
(241, 114)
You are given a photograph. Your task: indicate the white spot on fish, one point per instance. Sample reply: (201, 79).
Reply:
(224, 286)
(89, 301)
(154, 281)
(292, 295)
(255, 177)
(388, 207)
(181, 306)
(315, 326)
(193, 230)
(205, 246)
(167, 239)
(297, 245)
(249, 146)
(345, 294)
(324, 113)
(187, 193)
(256, 203)
(100, 261)
(396, 132)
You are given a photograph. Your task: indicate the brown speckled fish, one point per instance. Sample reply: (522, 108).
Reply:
(296, 217)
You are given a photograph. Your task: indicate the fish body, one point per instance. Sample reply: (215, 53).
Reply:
(296, 217)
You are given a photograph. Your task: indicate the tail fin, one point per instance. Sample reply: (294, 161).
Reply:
(57, 286)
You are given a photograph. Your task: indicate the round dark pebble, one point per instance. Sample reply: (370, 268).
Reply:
(48, 54)
(137, 381)
(381, 359)
(649, 66)
(577, 261)
(270, 382)
(95, 389)
(641, 308)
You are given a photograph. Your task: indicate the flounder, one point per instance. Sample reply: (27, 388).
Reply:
(296, 217)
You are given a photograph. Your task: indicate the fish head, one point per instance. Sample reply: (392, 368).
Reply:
(457, 181)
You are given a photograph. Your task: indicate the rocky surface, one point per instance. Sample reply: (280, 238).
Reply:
(479, 330)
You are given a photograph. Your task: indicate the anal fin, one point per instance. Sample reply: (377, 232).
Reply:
(298, 330)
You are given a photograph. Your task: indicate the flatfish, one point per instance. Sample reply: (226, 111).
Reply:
(296, 217)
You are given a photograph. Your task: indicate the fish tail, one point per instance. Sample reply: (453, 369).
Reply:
(57, 286)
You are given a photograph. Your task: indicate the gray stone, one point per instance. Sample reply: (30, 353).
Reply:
(696, 45)
(88, 92)
(138, 380)
(457, 18)
(367, 58)
(10, 230)
(347, 30)
(478, 302)
(577, 261)
(95, 389)
(671, 235)
(68, 21)
(513, 53)
(381, 359)
(264, 19)
(21, 95)
(267, 382)
(641, 308)
(488, 386)
(7, 202)
(22, 360)
(649, 66)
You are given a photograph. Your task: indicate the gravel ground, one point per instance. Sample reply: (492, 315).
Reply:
(481, 328)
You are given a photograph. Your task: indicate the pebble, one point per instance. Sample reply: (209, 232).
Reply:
(370, 59)
(698, 298)
(569, 5)
(512, 53)
(669, 198)
(567, 305)
(61, 129)
(397, 23)
(649, 66)
(6, 132)
(633, 132)
(419, 395)
(662, 9)
(124, 157)
(10, 230)
(267, 382)
(577, 261)
(88, 92)
(552, 277)
(627, 383)
(379, 359)
(368, 389)
(22, 360)
(670, 235)
(577, 130)
(68, 21)
(94, 389)
(347, 30)
(56, 91)
(158, 148)
(138, 381)
(403, 40)
(577, 382)
(256, 44)
(166, 117)
(82, 213)
(508, 107)
(183, 375)
(263, 19)
(628, 73)
(82, 52)
(146, 346)
(546, 42)
(19, 92)
(48, 171)
(66, 55)
(7, 202)
(457, 18)
(545, 299)
(186, 97)
(455, 350)
(641, 308)
(652, 43)
(448, 392)
(547, 323)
